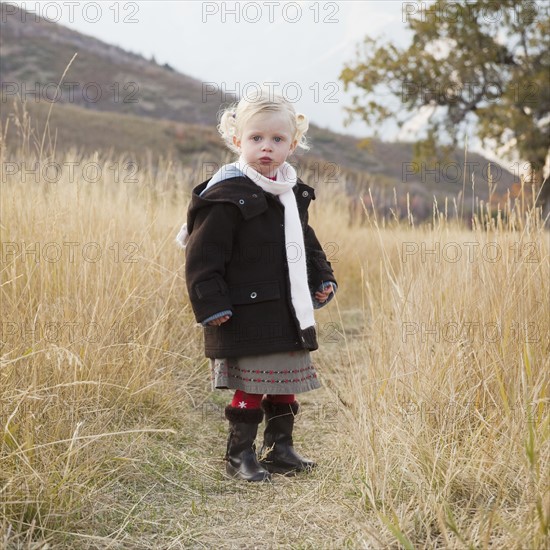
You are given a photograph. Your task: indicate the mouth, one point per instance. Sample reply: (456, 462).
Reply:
(265, 159)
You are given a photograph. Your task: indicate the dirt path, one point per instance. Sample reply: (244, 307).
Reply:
(182, 498)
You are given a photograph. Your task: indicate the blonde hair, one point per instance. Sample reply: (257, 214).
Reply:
(234, 118)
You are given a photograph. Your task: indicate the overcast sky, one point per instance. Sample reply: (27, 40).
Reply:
(302, 46)
(234, 46)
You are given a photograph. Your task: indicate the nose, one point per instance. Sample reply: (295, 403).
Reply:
(266, 146)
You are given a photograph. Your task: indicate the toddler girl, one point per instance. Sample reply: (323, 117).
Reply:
(255, 272)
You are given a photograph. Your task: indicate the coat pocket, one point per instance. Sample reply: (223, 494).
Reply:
(251, 293)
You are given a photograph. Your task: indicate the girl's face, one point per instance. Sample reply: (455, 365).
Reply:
(266, 142)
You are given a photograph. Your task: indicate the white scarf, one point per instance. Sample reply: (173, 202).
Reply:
(294, 237)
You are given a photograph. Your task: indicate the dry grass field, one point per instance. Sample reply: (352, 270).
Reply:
(431, 429)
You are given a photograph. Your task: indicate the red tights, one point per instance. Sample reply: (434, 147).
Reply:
(253, 400)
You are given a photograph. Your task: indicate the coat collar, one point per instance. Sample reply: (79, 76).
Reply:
(243, 193)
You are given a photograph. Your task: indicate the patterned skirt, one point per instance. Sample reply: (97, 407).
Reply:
(274, 373)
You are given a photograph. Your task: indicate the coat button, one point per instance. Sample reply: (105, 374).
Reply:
(305, 194)
(241, 201)
(254, 196)
(253, 295)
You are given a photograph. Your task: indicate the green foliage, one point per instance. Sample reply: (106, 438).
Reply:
(486, 59)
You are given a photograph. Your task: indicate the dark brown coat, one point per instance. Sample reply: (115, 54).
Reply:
(236, 260)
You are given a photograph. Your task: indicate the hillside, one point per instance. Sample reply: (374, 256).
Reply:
(116, 100)
(108, 78)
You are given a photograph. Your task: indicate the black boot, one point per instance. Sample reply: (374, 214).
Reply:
(241, 459)
(277, 453)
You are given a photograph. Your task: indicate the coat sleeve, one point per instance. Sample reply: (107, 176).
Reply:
(208, 250)
(319, 269)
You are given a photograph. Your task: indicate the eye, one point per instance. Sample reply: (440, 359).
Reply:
(278, 139)
(256, 138)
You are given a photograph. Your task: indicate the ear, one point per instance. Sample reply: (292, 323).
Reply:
(236, 142)
(293, 146)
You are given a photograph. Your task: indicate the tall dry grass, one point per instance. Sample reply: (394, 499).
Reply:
(446, 392)
(432, 430)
